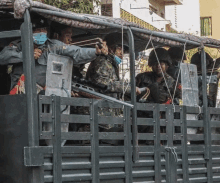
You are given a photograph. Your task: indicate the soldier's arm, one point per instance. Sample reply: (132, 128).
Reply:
(78, 54)
(10, 55)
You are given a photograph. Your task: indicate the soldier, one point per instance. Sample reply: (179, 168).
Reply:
(196, 59)
(42, 47)
(158, 80)
(177, 55)
(161, 85)
(105, 70)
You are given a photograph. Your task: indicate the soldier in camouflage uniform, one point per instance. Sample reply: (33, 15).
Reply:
(105, 70)
(157, 82)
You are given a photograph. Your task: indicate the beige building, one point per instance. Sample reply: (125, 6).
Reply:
(210, 18)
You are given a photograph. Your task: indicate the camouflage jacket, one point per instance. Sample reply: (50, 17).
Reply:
(158, 91)
(104, 70)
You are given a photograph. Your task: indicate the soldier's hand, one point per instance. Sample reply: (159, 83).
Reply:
(138, 92)
(74, 94)
(37, 53)
(103, 49)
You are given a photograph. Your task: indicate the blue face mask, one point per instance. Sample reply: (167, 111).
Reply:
(40, 38)
(117, 59)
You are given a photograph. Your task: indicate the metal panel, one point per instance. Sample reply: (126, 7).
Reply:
(157, 155)
(9, 34)
(94, 140)
(113, 163)
(56, 140)
(127, 146)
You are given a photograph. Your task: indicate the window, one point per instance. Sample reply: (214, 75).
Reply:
(206, 26)
(153, 9)
(106, 10)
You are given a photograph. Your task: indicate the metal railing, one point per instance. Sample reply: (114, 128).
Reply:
(131, 18)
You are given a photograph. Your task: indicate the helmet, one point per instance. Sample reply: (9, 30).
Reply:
(39, 23)
(176, 54)
(196, 59)
(162, 55)
(115, 39)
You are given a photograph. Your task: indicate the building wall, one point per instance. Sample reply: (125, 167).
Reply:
(211, 8)
(140, 9)
(186, 17)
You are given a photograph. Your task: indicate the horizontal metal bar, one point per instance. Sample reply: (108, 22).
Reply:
(85, 165)
(150, 136)
(197, 170)
(202, 161)
(70, 177)
(45, 99)
(68, 135)
(97, 21)
(161, 35)
(10, 34)
(82, 119)
(110, 120)
(75, 118)
(85, 102)
(214, 110)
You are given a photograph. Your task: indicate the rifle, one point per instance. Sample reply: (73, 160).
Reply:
(90, 91)
(87, 82)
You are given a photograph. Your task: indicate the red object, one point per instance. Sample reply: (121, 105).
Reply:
(169, 101)
(15, 90)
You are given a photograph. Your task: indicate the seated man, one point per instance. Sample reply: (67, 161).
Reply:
(12, 54)
(161, 85)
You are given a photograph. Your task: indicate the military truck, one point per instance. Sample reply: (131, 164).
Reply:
(24, 159)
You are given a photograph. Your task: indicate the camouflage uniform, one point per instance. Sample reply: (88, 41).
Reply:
(104, 70)
(158, 91)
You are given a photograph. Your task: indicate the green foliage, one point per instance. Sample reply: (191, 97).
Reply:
(78, 6)
(213, 52)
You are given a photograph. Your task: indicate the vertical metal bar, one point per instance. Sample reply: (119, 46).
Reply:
(170, 163)
(94, 140)
(185, 164)
(173, 169)
(205, 101)
(30, 90)
(56, 138)
(170, 125)
(133, 96)
(168, 172)
(40, 108)
(157, 154)
(206, 120)
(127, 146)
(30, 82)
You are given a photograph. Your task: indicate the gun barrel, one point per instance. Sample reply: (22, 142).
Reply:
(91, 91)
